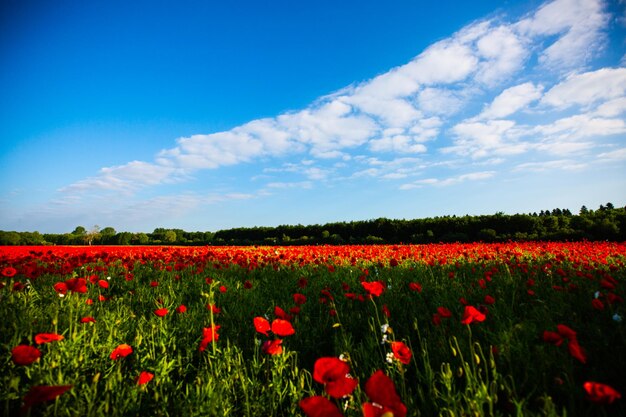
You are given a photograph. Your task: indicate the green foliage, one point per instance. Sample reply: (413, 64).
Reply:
(495, 368)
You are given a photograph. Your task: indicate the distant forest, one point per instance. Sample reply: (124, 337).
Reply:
(605, 223)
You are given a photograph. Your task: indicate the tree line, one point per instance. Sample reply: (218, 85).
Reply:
(605, 223)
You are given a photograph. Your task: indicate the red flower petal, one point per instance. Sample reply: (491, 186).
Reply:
(471, 314)
(552, 337)
(444, 313)
(381, 389)
(272, 347)
(209, 335)
(319, 406)
(601, 393)
(9, 271)
(566, 332)
(144, 377)
(332, 372)
(282, 328)
(47, 338)
(401, 352)
(41, 393)
(261, 325)
(374, 288)
(576, 351)
(121, 351)
(25, 355)
(161, 312)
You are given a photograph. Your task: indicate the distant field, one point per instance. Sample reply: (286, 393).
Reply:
(527, 329)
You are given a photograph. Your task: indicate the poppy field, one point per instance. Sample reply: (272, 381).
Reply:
(519, 329)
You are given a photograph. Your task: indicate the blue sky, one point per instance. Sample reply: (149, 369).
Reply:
(211, 115)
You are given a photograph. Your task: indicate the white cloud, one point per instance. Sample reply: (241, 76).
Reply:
(580, 126)
(394, 112)
(511, 100)
(579, 23)
(126, 178)
(587, 88)
(473, 176)
(215, 150)
(397, 143)
(286, 185)
(611, 108)
(482, 139)
(330, 128)
(503, 54)
(561, 164)
(616, 155)
(445, 62)
(439, 101)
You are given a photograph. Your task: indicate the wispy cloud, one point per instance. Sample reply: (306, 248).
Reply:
(561, 164)
(511, 100)
(472, 176)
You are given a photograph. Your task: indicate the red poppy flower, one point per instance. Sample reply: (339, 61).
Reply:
(414, 286)
(401, 352)
(154, 283)
(144, 377)
(87, 320)
(78, 285)
(436, 319)
(25, 354)
(247, 285)
(103, 284)
(299, 299)
(612, 298)
(223, 289)
(60, 287)
(552, 337)
(272, 347)
(282, 327)
(41, 393)
(566, 332)
(121, 351)
(209, 335)
(42, 338)
(576, 351)
(374, 288)
(332, 372)
(489, 300)
(471, 314)
(597, 304)
(319, 406)
(280, 313)
(181, 309)
(384, 398)
(161, 312)
(261, 325)
(444, 312)
(386, 311)
(213, 308)
(601, 393)
(9, 271)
